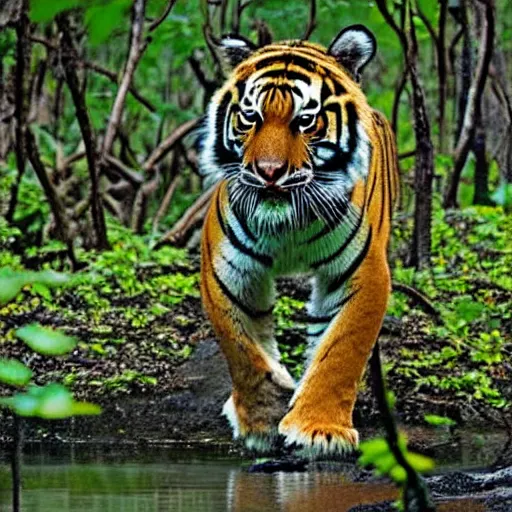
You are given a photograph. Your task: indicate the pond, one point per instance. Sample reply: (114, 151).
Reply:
(104, 478)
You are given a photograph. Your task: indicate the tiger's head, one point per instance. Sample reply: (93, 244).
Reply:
(289, 128)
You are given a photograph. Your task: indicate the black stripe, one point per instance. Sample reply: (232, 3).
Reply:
(336, 108)
(245, 227)
(223, 155)
(286, 73)
(299, 61)
(326, 230)
(343, 246)
(338, 88)
(325, 93)
(340, 280)
(328, 319)
(352, 126)
(228, 231)
(232, 298)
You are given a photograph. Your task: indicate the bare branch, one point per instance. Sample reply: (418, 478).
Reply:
(93, 66)
(168, 144)
(473, 103)
(237, 14)
(130, 175)
(57, 208)
(168, 8)
(191, 218)
(162, 210)
(312, 20)
(407, 154)
(137, 47)
(419, 298)
(141, 202)
(69, 65)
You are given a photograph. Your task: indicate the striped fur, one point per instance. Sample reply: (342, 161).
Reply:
(293, 107)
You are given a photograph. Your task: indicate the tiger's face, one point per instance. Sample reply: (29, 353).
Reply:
(287, 130)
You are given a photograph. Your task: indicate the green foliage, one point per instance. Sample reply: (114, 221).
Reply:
(377, 453)
(470, 284)
(101, 16)
(11, 282)
(52, 401)
(46, 341)
(14, 373)
(438, 421)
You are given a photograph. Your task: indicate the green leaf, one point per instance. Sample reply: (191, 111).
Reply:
(85, 409)
(435, 420)
(46, 341)
(14, 373)
(11, 283)
(398, 474)
(55, 403)
(420, 463)
(51, 402)
(102, 19)
(469, 310)
(45, 10)
(50, 278)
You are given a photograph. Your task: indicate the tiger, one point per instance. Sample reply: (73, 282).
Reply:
(305, 180)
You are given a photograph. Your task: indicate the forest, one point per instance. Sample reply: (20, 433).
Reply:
(106, 356)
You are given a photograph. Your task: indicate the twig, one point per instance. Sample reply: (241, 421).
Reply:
(141, 201)
(70, 160)
(312, 20)
(56, 206)
(130, 175)
(168, 144)
(113, 78)
(137, 47)
(16, 461)
(407, 154)
(419, 298)
(93, 66)
(473, 103)
(68, 62)
(237, 14)
(166, 201)
(194, 214)
(416, 494)
(155, 24)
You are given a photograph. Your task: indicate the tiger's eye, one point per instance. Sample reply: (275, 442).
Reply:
(306, 120)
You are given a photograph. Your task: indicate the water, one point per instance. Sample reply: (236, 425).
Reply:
(102, 479)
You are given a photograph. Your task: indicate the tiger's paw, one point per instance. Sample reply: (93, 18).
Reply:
(255, 421)
(314, 440)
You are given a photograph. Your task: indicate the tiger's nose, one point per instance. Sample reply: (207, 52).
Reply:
(270, 170)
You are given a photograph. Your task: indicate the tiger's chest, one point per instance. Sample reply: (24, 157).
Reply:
(317, 247)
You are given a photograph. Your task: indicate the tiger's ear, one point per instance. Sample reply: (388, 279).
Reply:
(232, 50)
(353, 48)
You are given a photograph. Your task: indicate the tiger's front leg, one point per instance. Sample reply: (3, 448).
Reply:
(320, 417)
(238, 291)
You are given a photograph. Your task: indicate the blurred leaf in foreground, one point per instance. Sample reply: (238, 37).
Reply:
(51, 402)
(14, 373)
(46, 341)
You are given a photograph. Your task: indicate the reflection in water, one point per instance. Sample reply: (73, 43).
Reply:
(304, 492)
(96, 479)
